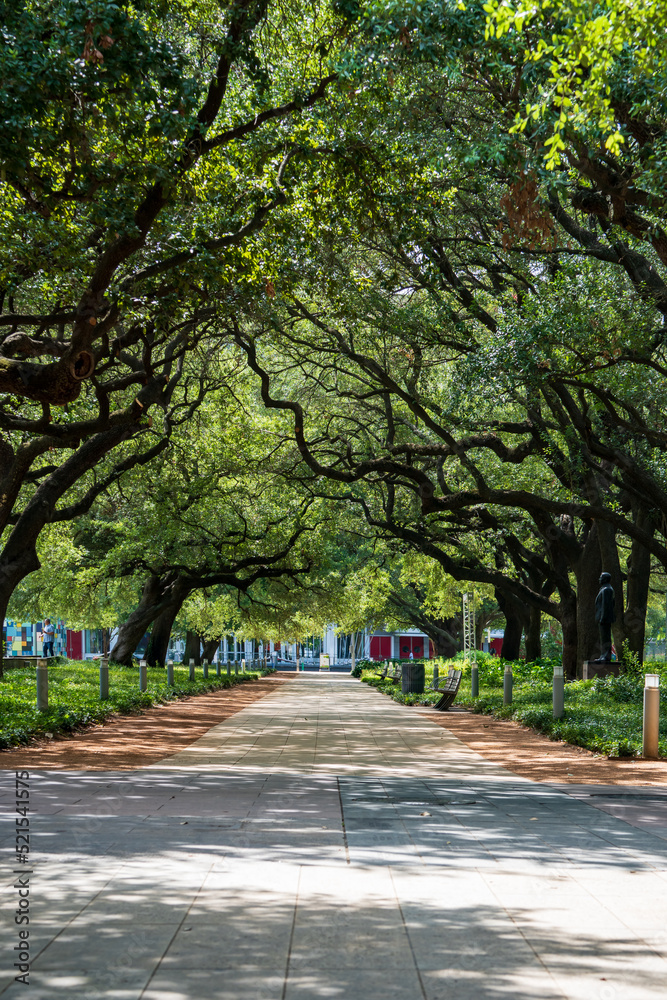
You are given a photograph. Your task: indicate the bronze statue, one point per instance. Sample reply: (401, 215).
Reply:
(605, 615)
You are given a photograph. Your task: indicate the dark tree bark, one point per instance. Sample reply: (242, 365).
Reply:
(587, 571)
(210, 648)
(192, 648)
(534, 635)
(639, 572)
(160, 594)
(443, 644)
(134, 628)
(158, 644)
(511, 647)
(11, 574)
(568, 623)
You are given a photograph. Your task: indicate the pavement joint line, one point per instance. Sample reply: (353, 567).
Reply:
(291, 937)
(407, 935)
(186, 915)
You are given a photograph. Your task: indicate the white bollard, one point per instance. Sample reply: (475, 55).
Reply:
(104, 678)
(192, 669)
(42, 686)
(243, 665)
(170, 673)
(651, 716)
(143, 684)
(508, 681)
(558, 692)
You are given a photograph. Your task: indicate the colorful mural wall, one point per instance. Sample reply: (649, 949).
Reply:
(25, 638)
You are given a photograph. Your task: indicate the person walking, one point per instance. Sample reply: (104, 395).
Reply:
(48, 633)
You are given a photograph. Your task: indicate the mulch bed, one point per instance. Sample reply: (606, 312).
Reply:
(128, 742)
(531, 755)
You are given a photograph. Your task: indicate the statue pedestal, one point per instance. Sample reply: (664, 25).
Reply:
(597, 668)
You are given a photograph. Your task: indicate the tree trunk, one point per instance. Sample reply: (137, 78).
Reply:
(568, 623)
(133, 629)
(159, 594)
(587, 572)
(443, 640)
(639, 571)
(192, 648)
(534, 636)
(511, 646)
(12, 571)
(210, 647)
(158, 644)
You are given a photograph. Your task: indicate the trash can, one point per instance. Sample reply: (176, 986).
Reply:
(413, 677)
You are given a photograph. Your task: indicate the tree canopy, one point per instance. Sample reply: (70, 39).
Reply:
(327, 313)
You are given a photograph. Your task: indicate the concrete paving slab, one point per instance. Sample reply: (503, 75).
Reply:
(327, 842)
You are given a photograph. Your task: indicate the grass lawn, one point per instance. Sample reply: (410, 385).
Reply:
(74, 696)
(604, 715)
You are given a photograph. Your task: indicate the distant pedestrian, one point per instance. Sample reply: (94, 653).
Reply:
(49, 633)
(411, 656)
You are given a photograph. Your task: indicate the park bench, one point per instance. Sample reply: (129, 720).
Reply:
(394, 674)
(389, 673)
(440, 682)
(449, 690)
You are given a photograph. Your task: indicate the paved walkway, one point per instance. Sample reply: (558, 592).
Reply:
(326, 842)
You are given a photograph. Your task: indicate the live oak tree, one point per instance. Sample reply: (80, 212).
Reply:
(142, 151)
(514, 279)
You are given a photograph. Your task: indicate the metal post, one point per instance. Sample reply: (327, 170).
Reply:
(274, 657)
(474, 681)
(104, 678)
(508, 680)
(236, 667)
(436, 675)
(191, 675)
(218, 666)
(142, 675)
(558, 691)
(42, 686)
(651, 716)
(468, 626)
(170, 673)
(205, 667)
(229, 668)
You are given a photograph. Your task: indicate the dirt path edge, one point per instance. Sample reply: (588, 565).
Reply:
(128, 742)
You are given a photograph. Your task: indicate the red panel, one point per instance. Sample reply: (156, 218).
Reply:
(74, 645)
(411, 644)
(380, 647)
(497, 644)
